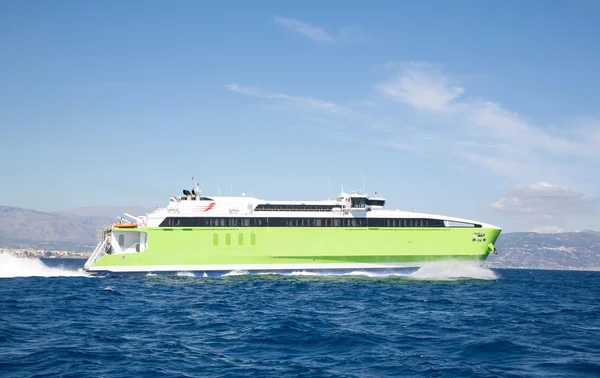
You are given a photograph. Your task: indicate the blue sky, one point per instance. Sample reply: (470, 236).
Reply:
(484, 110)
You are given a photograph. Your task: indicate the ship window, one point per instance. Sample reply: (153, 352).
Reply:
(256, 222)
(121, 240)
(372, 202)
(359, 202)
(215, 238)
(462, 224)
(240, 239)
(252, 239)
(228, 239)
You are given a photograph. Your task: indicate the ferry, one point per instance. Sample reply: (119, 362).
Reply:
(216, 235)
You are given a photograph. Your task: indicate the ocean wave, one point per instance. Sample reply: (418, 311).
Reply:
(273, 326)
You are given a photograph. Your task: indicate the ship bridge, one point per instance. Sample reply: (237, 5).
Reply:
(358, 199)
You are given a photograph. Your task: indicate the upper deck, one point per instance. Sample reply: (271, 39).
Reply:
(358, 208)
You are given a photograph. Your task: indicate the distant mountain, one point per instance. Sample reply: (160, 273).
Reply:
(74, 227)
(569, 250)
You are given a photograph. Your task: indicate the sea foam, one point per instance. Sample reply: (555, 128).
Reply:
(14, 266)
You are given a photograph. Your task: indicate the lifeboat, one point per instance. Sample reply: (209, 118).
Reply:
(125, 225)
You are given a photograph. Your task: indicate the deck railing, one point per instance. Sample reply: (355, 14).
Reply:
(101, 248)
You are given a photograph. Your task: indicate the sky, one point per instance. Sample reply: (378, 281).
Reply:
(485, 110)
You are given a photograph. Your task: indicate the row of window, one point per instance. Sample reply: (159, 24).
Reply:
(240, 239)
(355, 203)
(297, 207)
(362, 202)
(299, 222)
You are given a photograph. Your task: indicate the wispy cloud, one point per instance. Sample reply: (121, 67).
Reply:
(421, 110)
(515, 148)
(545, 199)
(422, 90)
(313, 32)
(353, 34)
(547, 207)
(305, 102)
(550, 229)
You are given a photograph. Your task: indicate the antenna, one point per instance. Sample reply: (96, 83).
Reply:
(197, 191)
(219, 190)
(329, 183)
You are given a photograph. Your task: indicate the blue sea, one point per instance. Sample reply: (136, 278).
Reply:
(443, 321)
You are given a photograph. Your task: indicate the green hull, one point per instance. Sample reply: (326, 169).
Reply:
(282, 248)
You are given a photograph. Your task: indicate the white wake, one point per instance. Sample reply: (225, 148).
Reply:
(12, 266)
(454, 270)
(185, 274)
(449, 270)
(236, 273)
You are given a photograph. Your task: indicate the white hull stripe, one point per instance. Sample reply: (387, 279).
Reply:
(250, 267)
